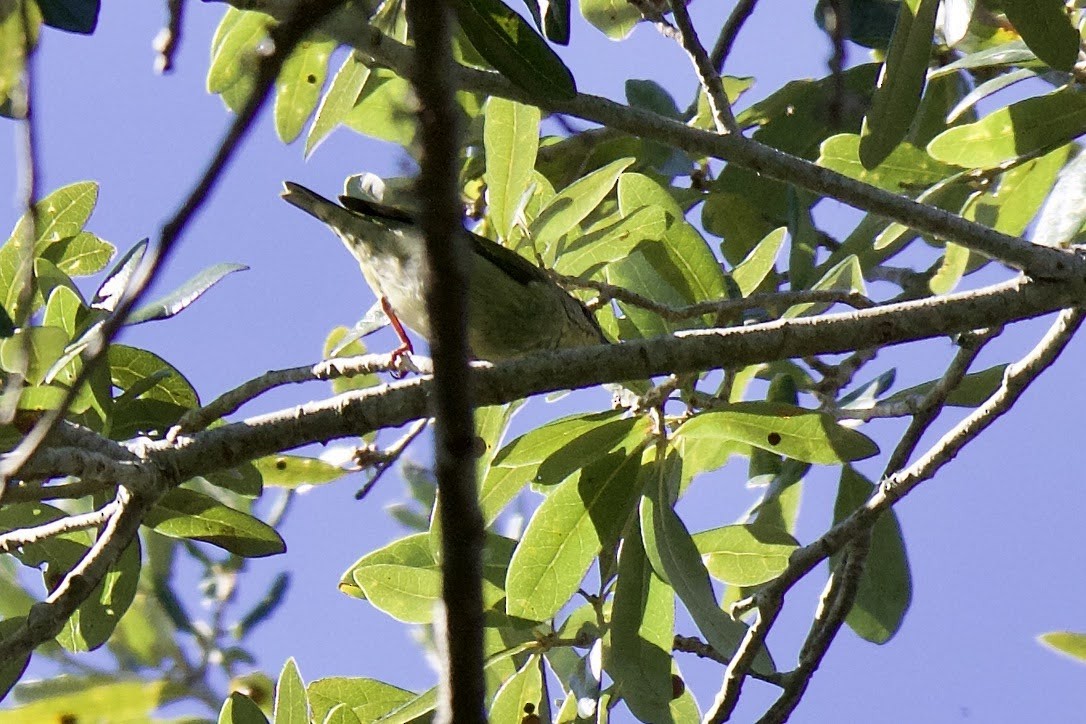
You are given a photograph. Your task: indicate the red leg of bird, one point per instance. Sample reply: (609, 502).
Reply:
(405, 343)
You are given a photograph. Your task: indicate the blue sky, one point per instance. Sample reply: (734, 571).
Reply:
(993, 541)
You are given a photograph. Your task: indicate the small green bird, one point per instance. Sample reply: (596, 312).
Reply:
(514, 307)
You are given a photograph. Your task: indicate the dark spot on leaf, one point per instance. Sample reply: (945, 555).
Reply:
(281, 464)
(774, 438)
(478, 449)
(311, 78)
(678, 686)
(67, 719)
(529, 708)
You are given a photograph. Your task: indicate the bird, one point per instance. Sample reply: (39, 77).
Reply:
(514, 307)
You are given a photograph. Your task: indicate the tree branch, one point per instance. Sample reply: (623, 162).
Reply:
(708, 76)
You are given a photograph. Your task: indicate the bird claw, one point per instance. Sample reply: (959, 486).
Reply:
(400, 363)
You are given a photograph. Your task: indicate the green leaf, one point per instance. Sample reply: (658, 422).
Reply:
(1030, 126)
(642, 631)
(972, 391)
(570, 206)
(240, 709)
(752, 271)
(515, 49)
(905, 169)
(338, 101)
(74, 16)
(613, 18)
(988, 88)
(790, 431)
(552, 19)
(1046, 28)
(846, 275)
(383, 109)
(611, 243)
(234, 56)
(410, 551)
(901, 81)
(1066, 642)
(61, 214)
(264, 608)
(548, 455)
(367, 698)
(747, 554)
(291, 702)
(566, 533)
(1065, 211)
(342, 714)
(951, 269)
(183, 296)
(184, 513)
(885, 589)
(511, 140)
(298, 87)
(109, 701)
(12, 670)
(1015, 201)
(80, 255)
(94, 621)
(109, 292)
(675, 558)
(292, 471)
(44, 344)
(651, 96)
(131, 366)
(524, 688)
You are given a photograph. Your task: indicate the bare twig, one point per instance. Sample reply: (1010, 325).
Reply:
(448, 263)
(386, 458)
(708, 76)
(231, 401)
(26, 536)
(655, 15)
(740, 665)
(168, 39)
(694, 645)
(729, 32)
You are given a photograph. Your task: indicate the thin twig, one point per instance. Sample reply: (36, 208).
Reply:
(779, 301)
(694, 645)
(286, 36)
(231, 401)
(168, 39)
(26, 536)
(650, 12)
(729, 32)
(740, 665)
(708, 76)
(386, 458)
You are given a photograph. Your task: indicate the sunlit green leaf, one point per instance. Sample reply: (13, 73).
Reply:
(240, 709)
(184, 513)
(1066, 642)
(747, 554)
(291, 702)
(367, 698)
(613, 18)
(511, 140)
(338, 101)
(291, 471)
(131, 366)
(112, 701)
(298, 87)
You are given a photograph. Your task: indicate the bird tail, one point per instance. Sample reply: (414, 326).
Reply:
(316, 205)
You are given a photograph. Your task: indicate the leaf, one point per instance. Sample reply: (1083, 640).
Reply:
(511, 140)
(651, 96)
(988, 88)
(264, 608)
(1015, 201)
(291, 702)
(675, 558)
(552, 18)
(44, 344)
(613, 242)
(885, 589)
(80, 255)
(234, 55)
(972, 391)
(1046, 28)
(747, 554)
(342, 714)
(567, 531)
(520, 693)
(905, 169)
(613, 18)
(292, 471)
(61, 214)
(131, 366)
(642, 631)
(298, 87)
(113, 286)
(383, 108)
(1065, 210)
(74, 16)
(108, 701)
(515, 49)
(338, 101)
(901, 81)
(570, 206)
(183, 296)
(786, 430)
(63, 309)
(184, 513)
(548, 455)
(1066, 642)
(1030, 126)
(240, 709)
(367, 698)
(752, 271)
(94, 621)
(1010, 53)
(951, 269)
